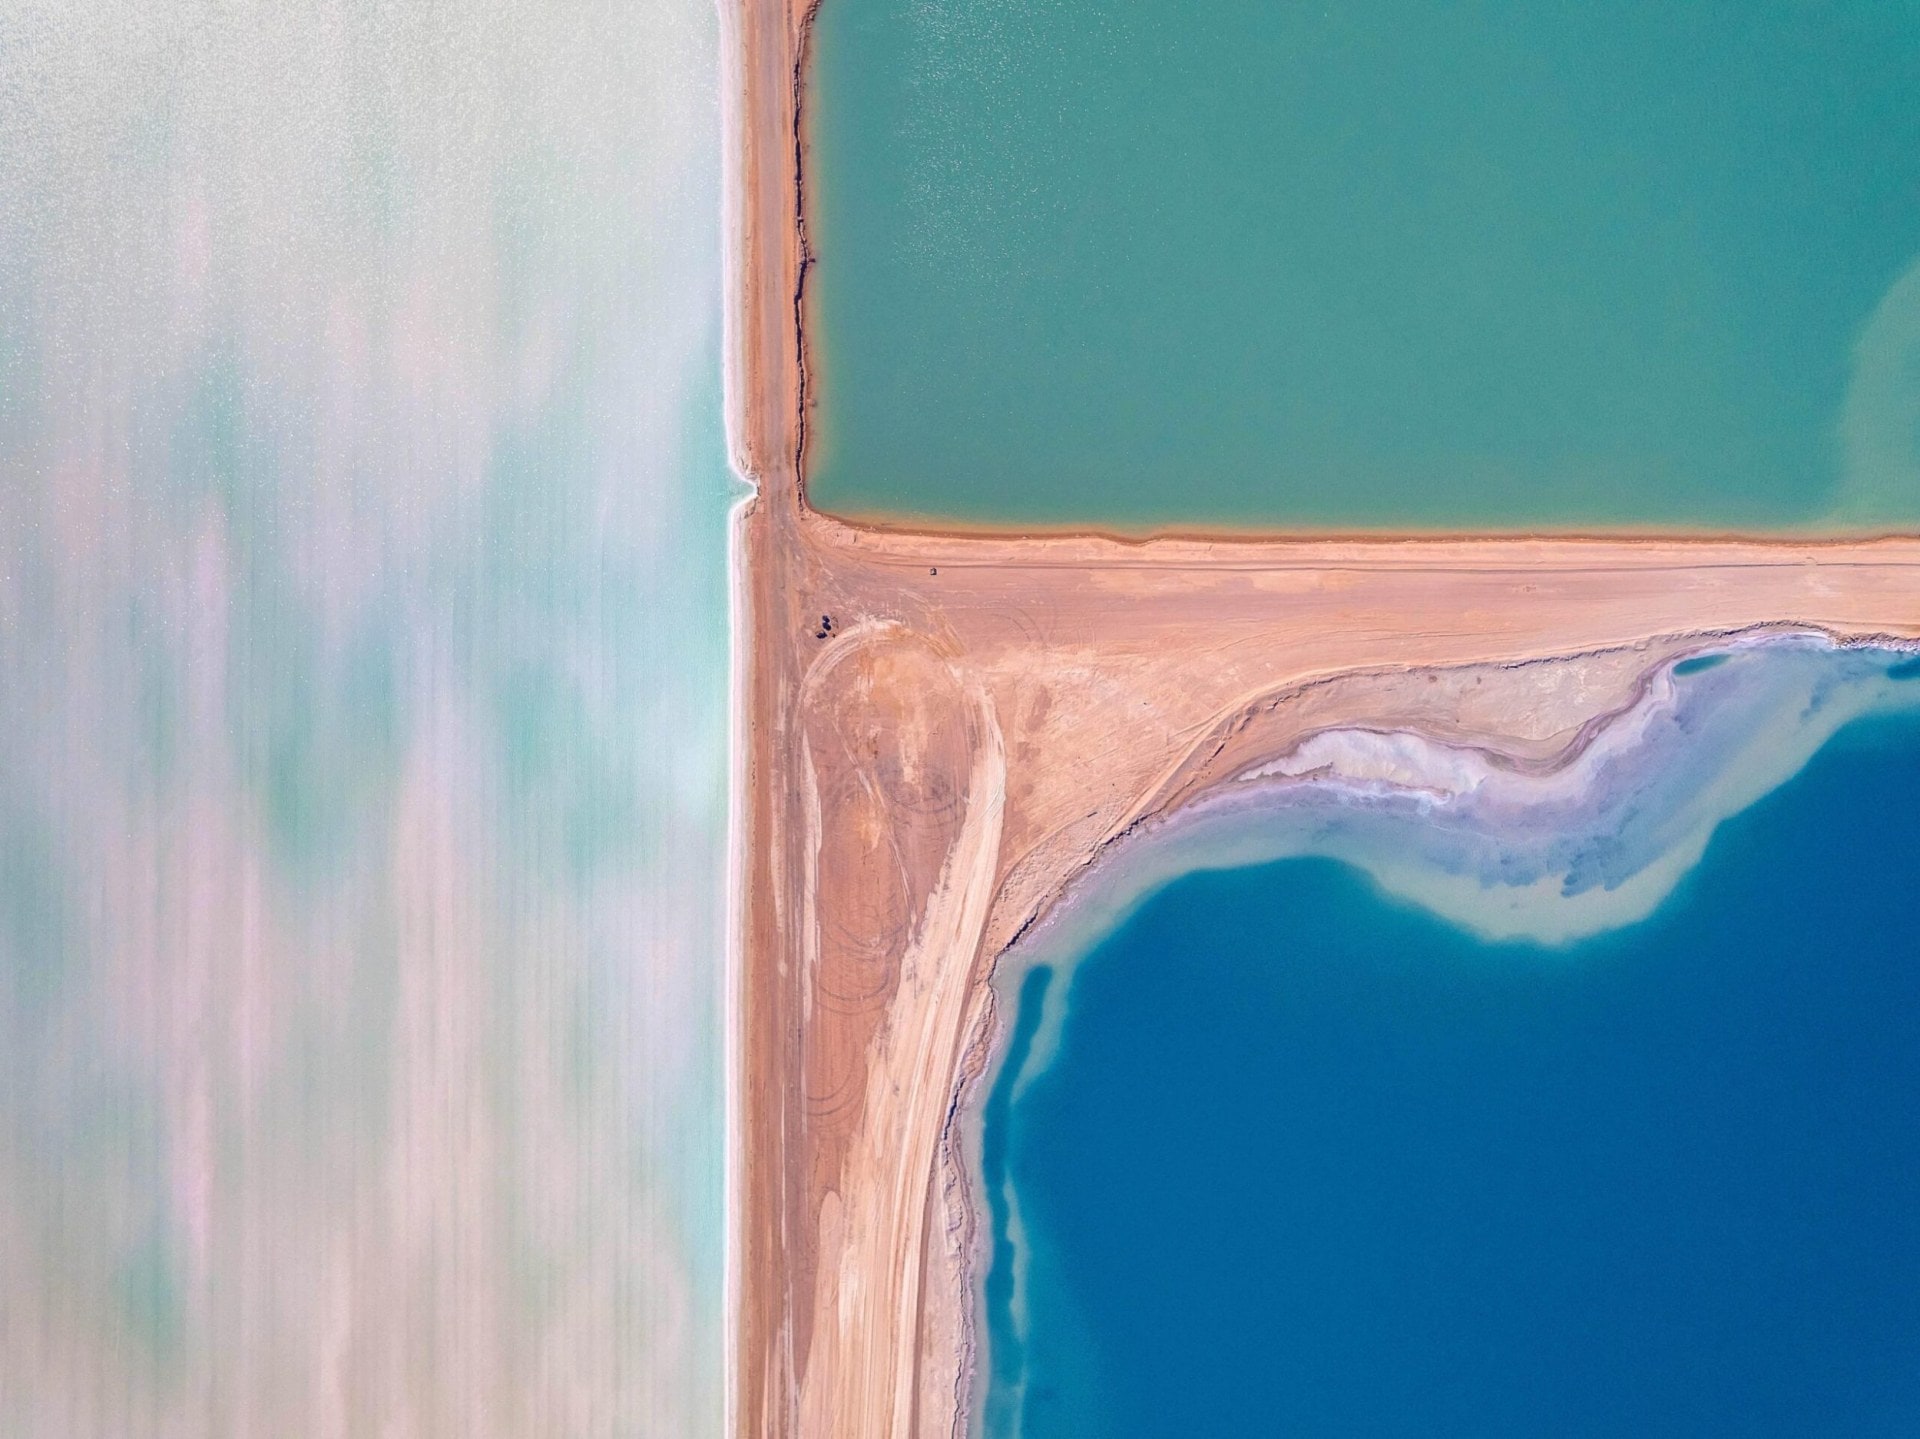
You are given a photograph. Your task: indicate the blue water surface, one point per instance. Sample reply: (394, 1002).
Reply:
(1310, 1162)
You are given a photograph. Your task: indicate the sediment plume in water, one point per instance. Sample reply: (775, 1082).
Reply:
(1546, 855)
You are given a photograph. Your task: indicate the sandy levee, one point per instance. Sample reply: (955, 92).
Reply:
(937, 732)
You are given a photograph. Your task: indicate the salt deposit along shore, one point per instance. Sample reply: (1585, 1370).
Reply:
(937, 733)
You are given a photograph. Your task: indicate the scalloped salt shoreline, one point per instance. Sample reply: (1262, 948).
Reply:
(1548, 855)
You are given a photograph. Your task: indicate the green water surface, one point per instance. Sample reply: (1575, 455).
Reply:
(1245, 262)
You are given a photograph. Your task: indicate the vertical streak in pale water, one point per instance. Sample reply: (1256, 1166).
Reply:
(362, 678)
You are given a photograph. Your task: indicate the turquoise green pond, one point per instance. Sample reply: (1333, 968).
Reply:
(1401, 264)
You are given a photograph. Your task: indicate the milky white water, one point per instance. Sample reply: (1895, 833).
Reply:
(362, 680)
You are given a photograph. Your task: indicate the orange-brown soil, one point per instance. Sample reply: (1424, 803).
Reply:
(936, 733)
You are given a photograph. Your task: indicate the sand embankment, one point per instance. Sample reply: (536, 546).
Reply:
(1118, 683)
(938, 732)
